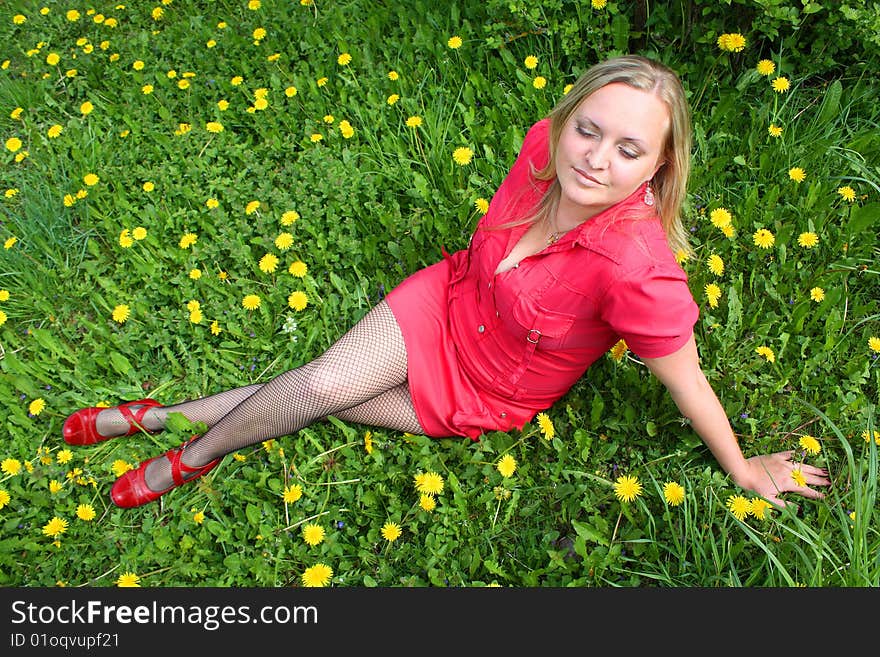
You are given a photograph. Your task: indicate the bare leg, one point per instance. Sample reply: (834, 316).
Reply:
(364, 364)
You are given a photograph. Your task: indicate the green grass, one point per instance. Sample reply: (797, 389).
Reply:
(372, 209)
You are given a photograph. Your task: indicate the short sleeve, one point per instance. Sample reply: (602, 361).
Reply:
(652, 309)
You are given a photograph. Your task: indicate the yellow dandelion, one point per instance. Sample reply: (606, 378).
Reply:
(292, 493)
(506, 465)
(128, 579)
(734, 42)
(268, 263)
(86, 108)
(539, 82)
(4, 498)
(199, 517)
(874, 343)
(120, 467)
(765, 67)
(739, 506)
(798, 477)
(55, 486)
(214, 127)
(546, 425)
(867, 437)
(298, 300)
(85, 512)
(55, 131)
(627, 488)
(454, 42)
(252, 207)
(763, 238)
(797, 174)
(121, 313)
(393, 76)
(619, 349)
(817, 294)
(392, 99)
(808, 240)
(368, 442)
(766, 352)
(55, 527)
(847, 193)
(531, 62)
(482, 205)
(414, 121)
(290, 91)
(317, 576)
(284, 241)
(713, 294)
(720, 217)
(289, 217)
(250, 302)
(10, 466)
(298, 269)
(462, 155)
(346, 129)
(215, 328)
(187, 240)
(715, 264)
(36, 407)
(427, 502)
(673, 493)
(781, 85)
(64, 456)
(429, 483)
(391, 531)
(313, 534)
(810, 445)
(774, 130)
(760, 508)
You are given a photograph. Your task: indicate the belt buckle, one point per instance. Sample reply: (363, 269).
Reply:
(537, 336)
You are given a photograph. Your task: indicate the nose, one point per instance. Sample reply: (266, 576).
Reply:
(598, 157)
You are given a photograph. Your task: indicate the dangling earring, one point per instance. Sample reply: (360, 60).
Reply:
(649, 195)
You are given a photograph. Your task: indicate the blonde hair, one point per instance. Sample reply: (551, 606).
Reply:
(670, 181)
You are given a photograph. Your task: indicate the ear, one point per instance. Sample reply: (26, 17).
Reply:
(659, 166)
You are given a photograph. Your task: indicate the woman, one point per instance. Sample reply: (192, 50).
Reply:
(575, 253)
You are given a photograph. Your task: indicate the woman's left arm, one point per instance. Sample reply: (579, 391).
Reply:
(768, 475)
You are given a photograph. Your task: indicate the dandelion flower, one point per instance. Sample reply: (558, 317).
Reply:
(781, 85)
(531, 62)
(55, 527)
(619, 349)
(430, 483)
(393, 76)
(289, 217)
(36, 406)
(847, 193)
(10, 466)
(506, 465)
(817, 294)
(715, 264)
(64, 456)
(720, 217)
(199, 517)
(734, 42)
(599, 4)
(798, 477)
(774, 130)
(454, 42)
(627, 488)
(797, 174)
(214, 127)
(313, 534)
(739, 506)
(763, 238)
(128, 579)
(250, 302)
(284, 241)
(298, 269)
(13, 144)
(85, 512)
(482, 205)
(4, 498)
(317, 576)
(874, 343)
(867, 437)
(414, 121)
(546, 425)
(673, 493)
(766, 352)
(368, 442)
(765, 67)
(121, 313)
(292, 493)
(268, 263)
(252, 207)
(10, 242)
(392, 99)
(427, 502)
(55, 486)
(808, 240)
(810, 445)
(713, 294)
(346, 129)
(298, 300)
(462, 155)
(188, 240)
(215, 328)
(759, 508)
(55, 131)
(344, 59)
(86, 108)
(391, 531)
(539, 82)
(120, 467)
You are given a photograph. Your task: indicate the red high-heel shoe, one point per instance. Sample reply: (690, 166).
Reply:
(80, 428)
(131, 489)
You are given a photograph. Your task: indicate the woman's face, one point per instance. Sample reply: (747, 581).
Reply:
(611, 144)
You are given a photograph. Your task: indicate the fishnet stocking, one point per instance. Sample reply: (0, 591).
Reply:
(360, 378)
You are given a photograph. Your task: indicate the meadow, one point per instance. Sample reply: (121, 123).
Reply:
(198, 195)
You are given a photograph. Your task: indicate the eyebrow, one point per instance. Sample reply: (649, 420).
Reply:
(634, 140)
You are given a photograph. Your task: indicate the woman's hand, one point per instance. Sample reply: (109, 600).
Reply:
(769, 475)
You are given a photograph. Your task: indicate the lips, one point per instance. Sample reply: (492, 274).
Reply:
(584, 176)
